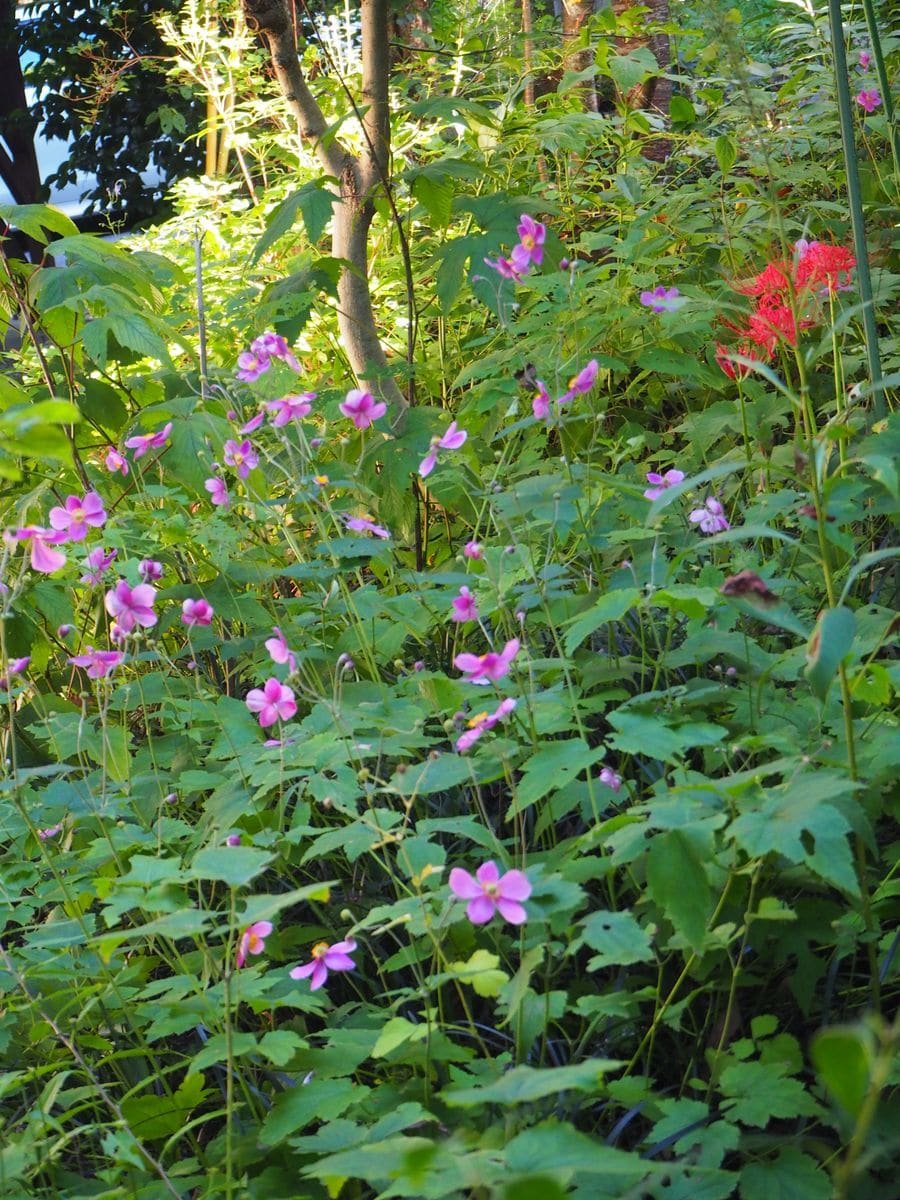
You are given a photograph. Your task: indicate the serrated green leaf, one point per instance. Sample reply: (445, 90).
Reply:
(305, 1104)
(611, 606)
(524, 1085)
(726, 152)
(618, 937)
(233, 865)
(676, 878)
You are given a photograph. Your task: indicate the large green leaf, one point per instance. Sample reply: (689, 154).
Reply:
(524, 1085)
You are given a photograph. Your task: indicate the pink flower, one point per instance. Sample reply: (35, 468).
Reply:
(233, 839)
(473, 550)
(868, 98)
(196, 612)
(254, 423)
(97, 562)
(278, 650)
(507, 268)
(661, 482)
(452, 439)
(326, 958)
(218, 492)
(361, 525)
(610, 779)
(711, 517)
(487, 668)
(43, 558)
(143, 442)
(46, 834)
(662, 299)
(464, 606)
(251, 366)
(114, 461)
(864, 59)
(273, 345)
(482, 723)
(490, 892)
(253, 940)
(530, 250)
(290, 408)
(15, 667)
(361, 408)
(131, 606)
(241, 456)
(540, 402)
(581, 384)
(99, 663)
(273, 702)
(150, 570)
(75, 516)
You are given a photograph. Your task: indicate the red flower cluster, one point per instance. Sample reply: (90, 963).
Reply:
(785, 299)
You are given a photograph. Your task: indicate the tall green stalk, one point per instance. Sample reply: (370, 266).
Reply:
(854, 196)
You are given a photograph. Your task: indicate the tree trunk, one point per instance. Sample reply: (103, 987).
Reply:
(574, 15)
(656, 93)
(18, 164)
(358, 177)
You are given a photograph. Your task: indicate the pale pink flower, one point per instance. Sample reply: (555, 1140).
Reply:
(46, 834)
(241, 456)
(864, 59)
(452, 439)
(610, 779)
(196, 612)
(463, 606)
(251, 366)
(254, 423)
(218, 492)
(530, 250)
(75, 516)
(131, 606)
(361, 525)
(97, 563)
(43, 557)
(99, 663)
(868, 99)
(487, 668)
(141, 443)
(711, 517)
(491, 892)
(540, 402)
(115, 461)
(362, 408)
(581, 384)
(326, 958)
(661, 482)
(505, 267)
(253, 940)
(278, 650)
(150, 570)
(15, 667)
(663, 299)
(273, 345)
(273, 702)
(473, 550)
(482, 723)
(290, 408)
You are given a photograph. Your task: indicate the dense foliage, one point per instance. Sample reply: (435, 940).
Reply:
(502, 804)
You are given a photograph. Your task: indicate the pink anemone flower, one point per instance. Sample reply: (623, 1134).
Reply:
(362, 408)
(278, 650)
(326, 958)
(610, 779)
(487, 668)
(659, 483)
(97, 563)
(482, 723)
(273, 702)
(131, 606)
(361, 525)
(253, 939)
(115, 461)
(15, 667)
(290, 408)
(711, 517)
(43, 557)
(218, 492)
(491, 892)
(463, 606)
(530, 250)
(141, 443)
(196, 612)
(452, 439)
(76, 516)
(241, 456)
(99, 663)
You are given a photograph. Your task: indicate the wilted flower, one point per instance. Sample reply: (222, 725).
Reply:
(131, 606)
(273, 702)
(487, 668)
(661, 482)
(46, 834)
(463, 607)
(253, 940)
(15, 667)
(99, 663)
(711, 517)
(241, 456)
(610, 779)
(278, 650)
(141, 443)
(505, 267)
(196, 612)
(362, 408)
(326, 958)
(490, 892)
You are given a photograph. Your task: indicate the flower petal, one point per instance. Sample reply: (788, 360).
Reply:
(463, 885)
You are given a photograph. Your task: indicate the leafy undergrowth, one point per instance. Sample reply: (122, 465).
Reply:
(500, 807)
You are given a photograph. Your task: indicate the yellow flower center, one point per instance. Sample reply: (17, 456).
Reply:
(490, 889)
(320, 949)
(482, 716)
(320, 479)
(238, 458)
(254, 943)
(528, 241)
(78, 515)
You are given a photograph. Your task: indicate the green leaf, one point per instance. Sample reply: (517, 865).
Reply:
(677, 881)
(568, 1150)
(313, 202)
(153, 1117)
(681, 110)
(757, 1093)
(611, 606)
(726, 152)
(305, 1104)
(524, 1085)
(644, 734)
(397, 1031)
(550, 769)
(618, 937)
(34, 219)
(134, 333)
(843, 1057)
(233, 865)
(792, 1175)
(481, 973)
(280, 1045)
(628, 70)
(218, 1049)
(436, 197)
(828, 646)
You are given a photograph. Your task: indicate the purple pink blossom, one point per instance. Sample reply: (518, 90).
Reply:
(218, 492)
(326, 958)
(482, 723)
(196, 612)
(864, 59)
(463, 607)
(662, 299)
(452, 439)
(659, 483)
(14, 667)
(97, 563)
(75, 516)
(290, 408)
(44, 557)
(362, 525)
(868, 99)
(46, 834)
(610, 779)
(487, 668)
(278, 650)
(141, 443)
(256, 361)
(273, 702)
(530, 250)
(99, 663)
(490, 892)
(362, 408)
(711, 517)
(150, 570)
(241, 456)
(473, 550)
(115, 461)
(131, 606)
(253, 939)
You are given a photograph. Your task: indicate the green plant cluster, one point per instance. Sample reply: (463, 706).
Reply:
(698, 777)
